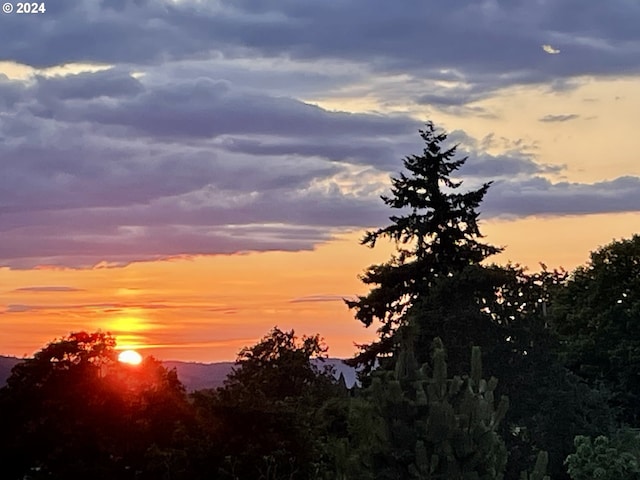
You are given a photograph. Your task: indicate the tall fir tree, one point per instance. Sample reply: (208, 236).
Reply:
(436, 235)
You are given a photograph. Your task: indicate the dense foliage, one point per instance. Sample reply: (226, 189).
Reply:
(604, 458)
(598, 317)
(74, 411)
(270, 416)
(417, 422)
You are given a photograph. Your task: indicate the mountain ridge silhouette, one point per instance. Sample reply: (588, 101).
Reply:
(199, 376)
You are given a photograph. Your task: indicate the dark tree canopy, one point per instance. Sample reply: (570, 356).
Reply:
(280, 365)
(436, 234)
(74, 411)
(598, 317)
(270, 413)
(81, 355)
(419, 422)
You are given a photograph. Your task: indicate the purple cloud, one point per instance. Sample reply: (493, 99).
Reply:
(203, 138)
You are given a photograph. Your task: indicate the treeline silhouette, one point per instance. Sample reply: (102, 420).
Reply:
(480, 371)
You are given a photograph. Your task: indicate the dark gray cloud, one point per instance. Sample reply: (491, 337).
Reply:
(106, 83)
(109, 148)
(559, 118)
(206, 108)
(510, 164)
(501, 40)
(519, 161)
(539, 196)
(378, 152)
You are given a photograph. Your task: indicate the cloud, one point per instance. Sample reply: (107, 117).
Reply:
(549, 49)
(48, 288)
(206, 108)
(540, 196)
(223, 310)
(510, 164)
(113, 168)
(17, 308)
(518, 160)
(203, 134)
(458, 101)
(320, 298)
(500, 46)
(193, 124)
(109, 83)
(558, 118)
(111, 307)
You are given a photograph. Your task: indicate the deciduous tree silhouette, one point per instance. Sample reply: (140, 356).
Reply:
(270, 411)
(73, 411)
(598, 317)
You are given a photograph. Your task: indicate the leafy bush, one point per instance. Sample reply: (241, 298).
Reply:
(604, 459)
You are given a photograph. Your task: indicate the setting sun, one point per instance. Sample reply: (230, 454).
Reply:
(130, 356)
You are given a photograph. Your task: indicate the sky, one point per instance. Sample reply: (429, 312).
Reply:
(189, 174)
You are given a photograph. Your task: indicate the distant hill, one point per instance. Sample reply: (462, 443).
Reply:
(197, 376)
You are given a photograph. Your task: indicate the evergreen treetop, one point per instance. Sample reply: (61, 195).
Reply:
(436, 234)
